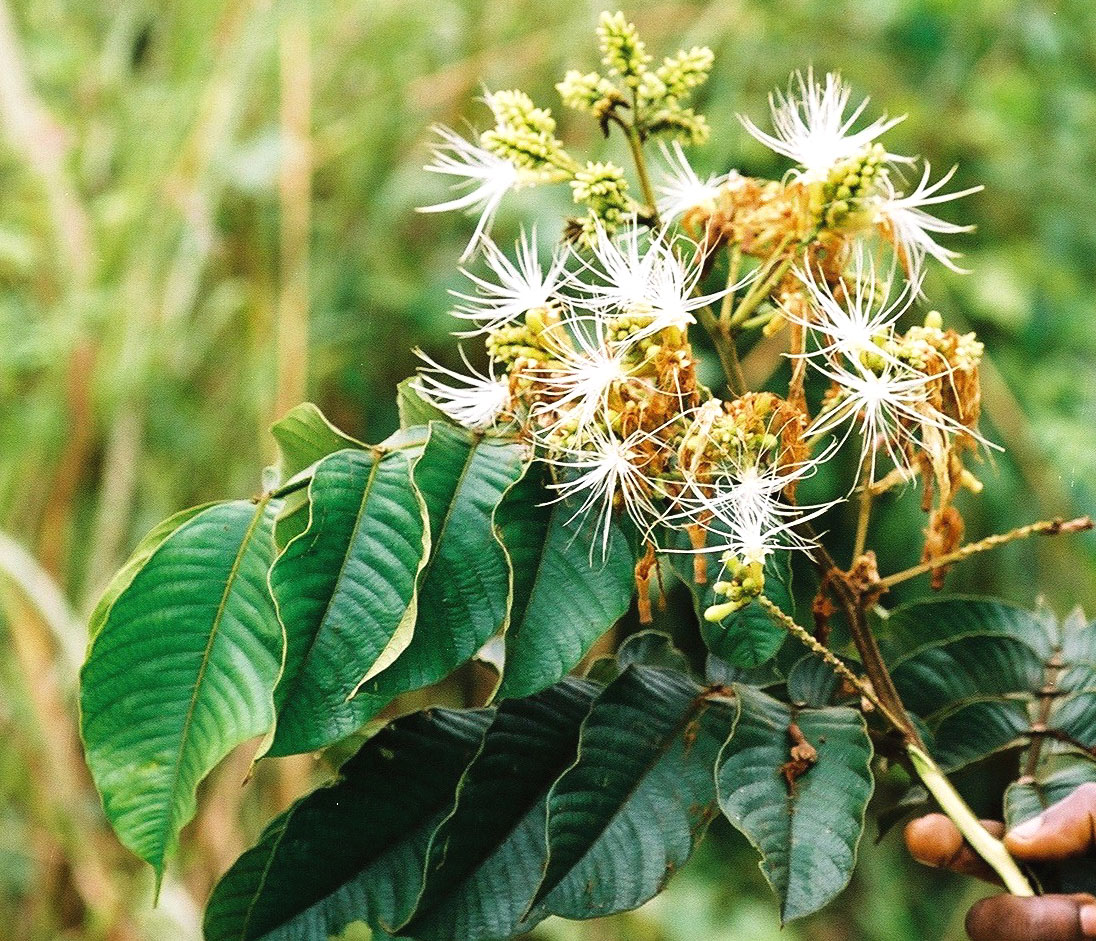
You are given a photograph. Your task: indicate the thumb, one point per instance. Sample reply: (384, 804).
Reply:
(1067, 828)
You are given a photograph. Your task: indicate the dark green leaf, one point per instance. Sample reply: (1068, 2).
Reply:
(356, 849)
(465, 584)
(807, 831)
(565, 594)
(345, 590)
(630, 811)
(486, 860)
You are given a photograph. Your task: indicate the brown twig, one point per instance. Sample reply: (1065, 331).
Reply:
(1045, 527)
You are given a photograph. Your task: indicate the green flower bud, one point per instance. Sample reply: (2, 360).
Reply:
(621, 48)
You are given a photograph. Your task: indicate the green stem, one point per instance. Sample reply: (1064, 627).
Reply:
(725, 349)
(640, 161)
(727, 307)
(986, 845)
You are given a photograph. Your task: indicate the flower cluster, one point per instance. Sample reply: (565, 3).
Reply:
(589, 352)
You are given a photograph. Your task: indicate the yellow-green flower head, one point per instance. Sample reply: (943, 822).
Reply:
(621, 48)
(585, 92)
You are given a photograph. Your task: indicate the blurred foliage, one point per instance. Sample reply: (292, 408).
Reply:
(188, 188)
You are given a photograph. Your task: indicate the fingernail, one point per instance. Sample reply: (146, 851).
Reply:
(1027, 829)
(1088, 920)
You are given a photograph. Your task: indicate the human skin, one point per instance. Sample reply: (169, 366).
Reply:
(1063, 831)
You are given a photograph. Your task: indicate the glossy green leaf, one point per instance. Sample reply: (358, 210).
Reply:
(630, 811)
(566, 595)
(978, 730)
(345, 591)
(355, 849)
(305, 436)
(463, 589)
(487, 859)
(414, 409)
(145, 548)
(808, 831)
(181, 672)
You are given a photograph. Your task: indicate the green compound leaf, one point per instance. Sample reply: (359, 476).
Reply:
(345, 591)
(749, 637)
(630, 811)
(970, 669)
(565, 594)
(487, 859)
(807, 832)
(356, 849)
(181, 671)
(445, 827)
(464, 587)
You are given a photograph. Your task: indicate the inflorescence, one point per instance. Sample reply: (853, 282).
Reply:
(589, 358)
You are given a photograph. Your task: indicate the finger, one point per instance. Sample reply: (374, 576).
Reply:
(1062, 830)
(935, 841)
(1046, 918)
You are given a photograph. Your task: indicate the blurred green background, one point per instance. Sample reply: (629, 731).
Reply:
(206, 215)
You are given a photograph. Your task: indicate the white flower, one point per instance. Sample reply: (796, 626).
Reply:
(909, 226)
(490, 176)
(681, 188)
(646, 281)
(582, 372)
(475, 400)
(888, 406)
(811, 127)
(520, 286)
(750, 522)
(850, 327)
(608, 472)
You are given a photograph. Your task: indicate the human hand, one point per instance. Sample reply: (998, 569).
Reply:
(1063, 831)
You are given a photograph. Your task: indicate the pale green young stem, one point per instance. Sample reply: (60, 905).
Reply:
(763, 285)
(987, 846)
(864, 515)
(725, 348)
(727, 307)
(991, 849)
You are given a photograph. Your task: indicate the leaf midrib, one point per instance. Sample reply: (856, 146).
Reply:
(698, 705)
(366, 490)
(260, 511)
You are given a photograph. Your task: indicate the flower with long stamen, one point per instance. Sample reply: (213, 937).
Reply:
(888, 406)
(749, 523)
(476, 400)
(682, 190)
(489, 176)
(648, 281)
(904, 221)
(811, 127)
(607, 473)
(852, 326)
(584, 368)
(520, 285)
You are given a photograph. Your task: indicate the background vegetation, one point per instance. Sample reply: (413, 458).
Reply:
(206, 216)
